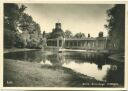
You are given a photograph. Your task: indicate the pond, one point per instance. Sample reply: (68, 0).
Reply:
(92, 64)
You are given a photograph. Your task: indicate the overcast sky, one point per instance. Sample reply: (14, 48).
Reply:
(86, 18)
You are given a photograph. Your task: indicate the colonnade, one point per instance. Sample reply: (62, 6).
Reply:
(87, 44)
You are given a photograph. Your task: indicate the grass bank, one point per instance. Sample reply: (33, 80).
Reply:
(27, 74)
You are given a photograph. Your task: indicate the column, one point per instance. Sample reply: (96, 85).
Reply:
(57, 43)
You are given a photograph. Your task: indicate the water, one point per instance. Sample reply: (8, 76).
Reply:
(91, 64)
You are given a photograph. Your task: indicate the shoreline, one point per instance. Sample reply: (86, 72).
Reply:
(117, 57)
(17, 50)
(22, 73)
(27, 74)
(19, 73)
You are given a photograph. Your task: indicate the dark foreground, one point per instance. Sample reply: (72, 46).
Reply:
(27, 74)
(18, 73)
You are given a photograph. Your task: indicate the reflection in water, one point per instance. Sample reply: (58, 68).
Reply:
(46, 62)
(91, 64)
(89, 69)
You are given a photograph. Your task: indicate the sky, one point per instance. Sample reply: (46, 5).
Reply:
(85, 18)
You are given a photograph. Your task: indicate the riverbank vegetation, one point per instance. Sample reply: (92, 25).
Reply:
(116, 27)
(116, 32)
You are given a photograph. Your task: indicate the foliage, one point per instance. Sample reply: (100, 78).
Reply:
(68, 34)
(11, 15)
(20, 30)
(56, 33)
(116, 26)
(79, 35)
(9, 38)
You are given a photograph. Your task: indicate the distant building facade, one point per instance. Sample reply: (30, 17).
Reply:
(88, 43)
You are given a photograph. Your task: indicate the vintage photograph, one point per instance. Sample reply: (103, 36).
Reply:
(57, 90)
(64, 45)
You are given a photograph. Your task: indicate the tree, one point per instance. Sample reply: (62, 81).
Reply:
(116, 26)
(11, 16)
(30, 27)
(57, 31)
(79, 35)
(9, 38)
(20, 30)
(22, 8)
(44, 34)
(68, 34)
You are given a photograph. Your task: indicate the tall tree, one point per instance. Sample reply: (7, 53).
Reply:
(116, 26)
(20, 30)
(11, 16)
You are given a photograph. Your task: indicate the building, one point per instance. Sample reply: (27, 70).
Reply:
(57, 31)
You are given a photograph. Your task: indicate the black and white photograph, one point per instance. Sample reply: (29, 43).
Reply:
(56, 90)
(64, 45)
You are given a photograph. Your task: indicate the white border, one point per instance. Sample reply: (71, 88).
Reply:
(63, 2)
